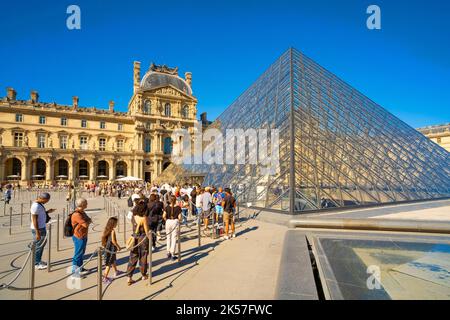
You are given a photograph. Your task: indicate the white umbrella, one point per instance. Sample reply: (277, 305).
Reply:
(120, 177)
(102, 176)
(83, 177)
(13, 176)
(37, 176)
(61, 176)
(129, 178)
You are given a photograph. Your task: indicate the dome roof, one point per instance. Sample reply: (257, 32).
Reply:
(153, 80)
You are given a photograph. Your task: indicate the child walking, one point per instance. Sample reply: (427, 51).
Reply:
(109, 242)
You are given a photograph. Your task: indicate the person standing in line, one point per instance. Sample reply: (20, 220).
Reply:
(8, 194)
(80, 224)
(229, 207)
(38, 227)
(198, 203)
(139, 253)
(206, 200)
(70, 198)
(193, 195)
(184, 204)
(159, 209)
(109, 242)
(217, 200)
(172, 215)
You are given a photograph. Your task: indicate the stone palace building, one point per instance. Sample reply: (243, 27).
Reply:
(47, 142)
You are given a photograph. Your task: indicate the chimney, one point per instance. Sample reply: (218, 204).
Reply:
(111, 106)
(75, 102)
(11, 93)
(34, 96)
(136, 76)
(188, 77)
(203, 118)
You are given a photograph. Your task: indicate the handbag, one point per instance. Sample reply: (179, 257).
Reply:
(131, 242)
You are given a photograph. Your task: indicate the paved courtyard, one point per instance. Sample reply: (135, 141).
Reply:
(243, 268)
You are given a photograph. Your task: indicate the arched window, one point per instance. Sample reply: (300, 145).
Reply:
(167, 145)
(147, 106)
(167, 110)
(185, 112)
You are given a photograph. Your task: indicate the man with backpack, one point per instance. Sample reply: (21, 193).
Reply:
(80, 222)
(39, 220)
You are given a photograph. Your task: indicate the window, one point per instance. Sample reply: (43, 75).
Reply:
(63, 142)
(19, 117)
(120, 145)
(147, 107)
(120, 127)
(83, 143)
(148, 125)
(102, 125)
(102, 144)
(64, 122)
(41, 140)
(167, 145)
(83, 123)
(185, 112)
(167, 110)
(18, 139)
(147, 145)
(42, 120)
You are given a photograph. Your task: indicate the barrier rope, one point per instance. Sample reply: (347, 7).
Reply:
(56, 281)
(7, 285)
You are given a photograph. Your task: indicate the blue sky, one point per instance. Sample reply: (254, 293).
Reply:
(405, 67)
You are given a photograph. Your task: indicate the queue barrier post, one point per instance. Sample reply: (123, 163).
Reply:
(199, 234)
(99, 273)
(64, 220)
(21, 214)
(49, 247)
(32, 271)
(58, 226)
(150, 258)
(124, 227)
(10, 220)
(179, 242)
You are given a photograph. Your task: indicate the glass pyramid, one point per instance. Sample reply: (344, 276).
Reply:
(337, 148)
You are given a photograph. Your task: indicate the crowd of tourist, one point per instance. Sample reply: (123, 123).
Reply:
(153, 210)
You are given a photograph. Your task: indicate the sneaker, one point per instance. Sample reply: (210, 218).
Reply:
(107, 280)
(174, 258)
(83, 271)
(118, 274)
(40, 266)
(43, 263)
(226, 237)
(233, 236)
(169, 255)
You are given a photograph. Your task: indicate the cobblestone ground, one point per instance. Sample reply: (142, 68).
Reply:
(243, 268)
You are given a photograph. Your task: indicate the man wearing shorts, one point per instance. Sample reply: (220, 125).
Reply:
(229, 206)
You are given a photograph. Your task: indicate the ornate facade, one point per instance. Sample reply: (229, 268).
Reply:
(439, 134)
(48, 142)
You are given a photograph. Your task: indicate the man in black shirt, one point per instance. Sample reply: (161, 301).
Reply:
(229, 205)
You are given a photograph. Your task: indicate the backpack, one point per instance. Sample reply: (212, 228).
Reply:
(68, 228)
(130, 202)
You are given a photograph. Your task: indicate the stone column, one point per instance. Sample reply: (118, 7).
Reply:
(49, 170)
(112, 170)
(26, 166)
(2, 169)
(71, 169)
(93, 171)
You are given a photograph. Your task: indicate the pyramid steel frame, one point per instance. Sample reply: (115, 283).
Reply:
(337, 147)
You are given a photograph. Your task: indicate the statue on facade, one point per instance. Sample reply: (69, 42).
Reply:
(25, 140)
